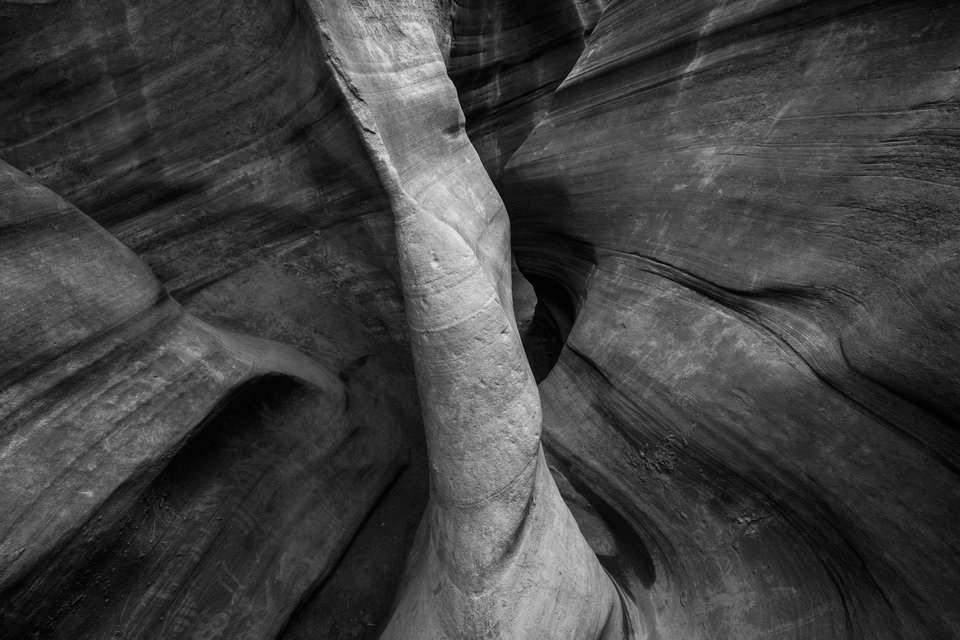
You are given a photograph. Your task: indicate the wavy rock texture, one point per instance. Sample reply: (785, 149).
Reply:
(129, 513)
(740, 219)
(506, 59)
(762, 370)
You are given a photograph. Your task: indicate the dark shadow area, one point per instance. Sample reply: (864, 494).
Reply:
(627, 559)
(546, 333)
(223, 538)
(356, 600)
(557, 266)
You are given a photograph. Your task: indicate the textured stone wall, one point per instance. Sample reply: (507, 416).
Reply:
(761, 377)
(741, 222)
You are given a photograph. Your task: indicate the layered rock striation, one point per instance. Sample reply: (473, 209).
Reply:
(255, 273)
(161, 476)
(764, 199)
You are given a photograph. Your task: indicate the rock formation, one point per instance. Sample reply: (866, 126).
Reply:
(261, 375)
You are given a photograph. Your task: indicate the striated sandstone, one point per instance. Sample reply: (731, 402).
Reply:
(160, 475)
(740, 221)
(765, 197)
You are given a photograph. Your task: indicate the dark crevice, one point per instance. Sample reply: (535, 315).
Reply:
(632, 554)
(546, 334)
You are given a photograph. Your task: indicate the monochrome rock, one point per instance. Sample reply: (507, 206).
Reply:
(446, 319)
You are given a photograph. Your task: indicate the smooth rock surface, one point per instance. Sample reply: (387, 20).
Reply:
(160, 475)
(759, 378)
(741, 222)
(498, 553)
(506, 59)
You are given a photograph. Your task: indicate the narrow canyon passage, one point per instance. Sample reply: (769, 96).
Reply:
(261, 373)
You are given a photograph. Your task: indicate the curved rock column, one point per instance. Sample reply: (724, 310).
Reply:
(498, 553)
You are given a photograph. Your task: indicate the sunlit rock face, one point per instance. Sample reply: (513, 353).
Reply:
(741, 220)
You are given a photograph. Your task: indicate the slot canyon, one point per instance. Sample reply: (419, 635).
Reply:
(479, 319)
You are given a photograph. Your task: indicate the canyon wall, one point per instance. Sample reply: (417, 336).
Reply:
(740, 220)
(761, 378)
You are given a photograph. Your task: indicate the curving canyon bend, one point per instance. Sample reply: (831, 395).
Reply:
(479, 319)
